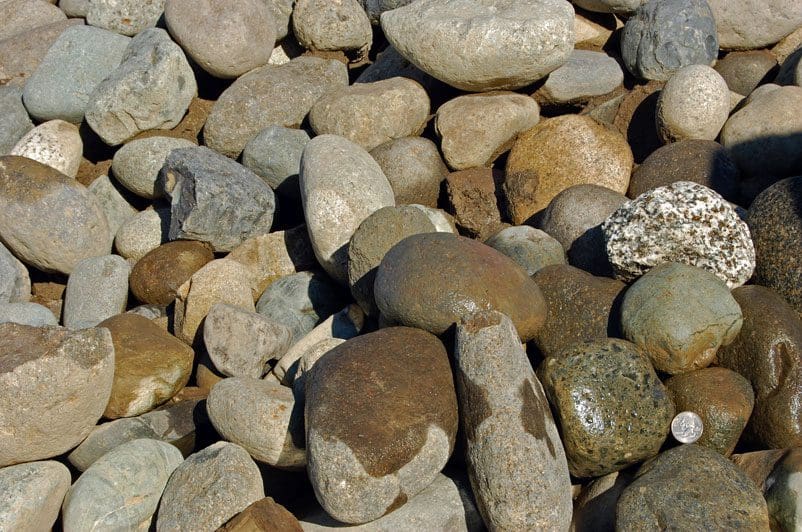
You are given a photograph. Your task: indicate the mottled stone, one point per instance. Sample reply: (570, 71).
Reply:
(585, 75)
(115, 206)
(531, 248)
(432, 280)
(128, 17)
(751, 24)
(16, 122)
(142, 233)
(97, 289)
(136, 165)
(55, 143)
(413, 167)
(32, 314)
(612, 409)
(15, 282)
(777, 475)
(19, 16)
(331, 26)
(275, 156)
(156, 277)
(32, 495)
(694, 104)
(744, 71)
(264, 514)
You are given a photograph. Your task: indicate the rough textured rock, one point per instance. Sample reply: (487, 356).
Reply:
(136, 165)
(585, 75)
(330, 26)
(109, 196)
(269, 96)
(744, 71)
(531, 248)
(561, 152)
(16, 122)
(97, 289)
(156, 277)
(370, 114)
(666, 35)
(669, 492)
(475, 129)
(74, 8)
(413, 167)
(47, 219)
(680, 315)
(128, 17)
(612, 409)
(209, 488)
(19, 16)
(515, 458)
(224, 39)
(360, 466)
(264, 514)
(473, 198)
(121, 490)
(55, 143)
(751, 24)
(694, 104)
(432, 280)
(142, 233)
(32, 495)
(215, 199)
(151, 89)
(54, 385)
(32, 314)
(513, 44)
(15, 282)
(275, 156)
(81, 58)
(682, 222)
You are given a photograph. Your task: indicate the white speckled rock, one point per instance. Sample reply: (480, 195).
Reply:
(512, 43)
(136, 165)
(55, 143)
(142, 232)
(32, 495)
(332, 25)
(694, 104)
(32, 314)
(584, 75)
(341, 185)
(96, 290)
(127, 17)
(683, 222)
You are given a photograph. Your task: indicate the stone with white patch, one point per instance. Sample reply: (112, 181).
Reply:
(55, 143)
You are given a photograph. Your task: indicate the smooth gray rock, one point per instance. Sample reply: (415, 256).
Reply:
(666, 35)
(54, 387)
(136, 165)
(128, 17)
(694, 104)
(143, 232)
(209, 488)
(513, 43)
(515, 458)
(74, 8)
(531, 248)
(330, 26)
(215, 199)
(16, 122)
(151, 89)
(121, 490)
(15, 282)
(22, 53)
(81, 58)
(32, 314)
(269, 96)
(275, 156)
(19, 16)
(114, 205)
(584, 75)
(96, 290)
(414, 168)
(55, 143)
(753, 24)
(32, 495)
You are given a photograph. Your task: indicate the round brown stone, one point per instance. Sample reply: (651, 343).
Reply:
(433, 280)
(156, 277)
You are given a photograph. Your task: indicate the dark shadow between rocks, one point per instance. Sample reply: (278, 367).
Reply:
(786, 148)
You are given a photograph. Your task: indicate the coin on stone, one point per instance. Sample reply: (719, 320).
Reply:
(686, 427)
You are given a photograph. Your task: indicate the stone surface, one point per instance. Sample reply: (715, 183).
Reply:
(513, 44)
(360, 466)
(74, 8)
(475, 129)
(47, 219)
(329, 26)
(151, 89)
(19, 16)
(680, 315)
(750, 24)
(722, 398)
(561, 152)
(56, 144)
(664, 36)
(96, 290)
(16, 122)
(263, 417)
(594, 506)
(78, 61)
(585, 75)
(694, 104)
(157, 276)
(264, 514)
(109, 196)
(15, 282)
(414, 168)
(669, 492)
(531, 248)
(269, 96)
(21, 54)
(142, 233)
(390, 64)
(744, 71)
(32, 495)
(432, 280)
(370, 114)
(682, 222)
(282, 12)
(214, 199)
(136, 165)
(473, 198)
(32, 314)
(209, 488)
(776, 225)
(121, 490)
(54, 385)
(341, 185)
(226, 40)
(776, 473)
(275, 156)
(514, 455)
(128, 17)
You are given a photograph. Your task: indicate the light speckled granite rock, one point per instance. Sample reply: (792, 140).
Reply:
(694, 104)
(326, 25)
(32, 495)
(143, 232)
(32, 314)
(55, 143)
(128, 17)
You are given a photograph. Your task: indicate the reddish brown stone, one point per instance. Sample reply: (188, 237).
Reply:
(157, 276)
(265, 515)
(473, 197)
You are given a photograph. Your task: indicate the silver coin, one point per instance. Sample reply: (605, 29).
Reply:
(687, 427)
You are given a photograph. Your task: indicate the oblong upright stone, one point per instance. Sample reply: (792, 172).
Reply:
(516, 462)
(96, 290)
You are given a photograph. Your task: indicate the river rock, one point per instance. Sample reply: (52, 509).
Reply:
(594, 506)
(32, 314)
(78, 61)
(275, 156)
(360, 467)
(55, 143)
(122, 488)
(561, 152)
(136, 165)
(585, 75)
(515, 458)
(414, 168)
(16, 122)
(128, 17)
(21, 53)
(473, 198)
(96, 290)
(269, 96)
(47, 219)
(776, 473)
(531, 248)
(54, 385)
(513, 44)
(209, 488)
(15, 282)
(264, 514)
(432, 280)
(151, 89)
(74, 8)
(694, 104)
(32, 495)
(331, 26)
(142, 233)
(475, 129)
(115, 206)
(22, 15)
(682, 222)
(744, 71)
(751, 24)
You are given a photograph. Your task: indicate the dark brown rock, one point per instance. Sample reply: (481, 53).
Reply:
(265, 515)
(473, 197)
(743, 71)
(432, 280)
(635, 119)
(156, 277)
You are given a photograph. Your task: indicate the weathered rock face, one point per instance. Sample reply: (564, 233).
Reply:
(432, 280)
(473, 199)
(54, 386)
(362, 467)
(32, 495)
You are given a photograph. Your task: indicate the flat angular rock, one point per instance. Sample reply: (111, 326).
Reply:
(54, 386)
(586, 74)
(31, 314)
(531, 248)
(97, 289)
(55, 143)
(514, 43)
(16, 122)
(32, 495)
(15, 282)
(331, 26)
(515, 458)
(127, 17)
(136, 165)
(473, 198)
(151, 89)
